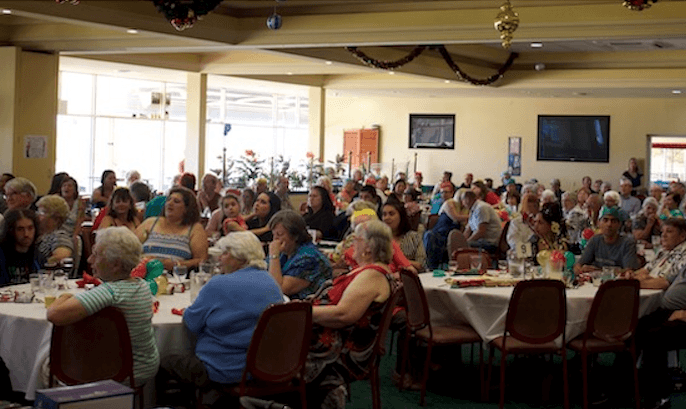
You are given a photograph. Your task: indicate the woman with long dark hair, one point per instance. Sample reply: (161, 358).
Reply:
(122, 210)
(410, 242)
(101, 195)
(320, 212)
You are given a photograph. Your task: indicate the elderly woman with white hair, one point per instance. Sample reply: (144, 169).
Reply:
(223, 317)
(116, 252)
(647, 222)
(53, 244)
(346, 315)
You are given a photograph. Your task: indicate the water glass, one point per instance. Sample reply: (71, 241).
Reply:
(60, 278)
(198, 280)
(609, 273)
(516, 267)
(596, 278)
(475, 262)
(207, 267)
(34, 280)
(180, 271)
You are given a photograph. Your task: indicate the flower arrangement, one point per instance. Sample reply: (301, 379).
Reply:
(250, 168)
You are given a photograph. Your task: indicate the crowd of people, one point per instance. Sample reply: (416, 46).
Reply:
(267, 251)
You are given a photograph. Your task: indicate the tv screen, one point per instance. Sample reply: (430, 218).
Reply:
(574, 138)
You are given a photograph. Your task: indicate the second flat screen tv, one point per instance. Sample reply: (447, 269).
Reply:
(574, 138)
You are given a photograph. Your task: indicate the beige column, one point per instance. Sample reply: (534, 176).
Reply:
(28, 88)
(196, 109)
(317, 101)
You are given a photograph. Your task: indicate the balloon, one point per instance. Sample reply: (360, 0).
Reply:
(543, 258)
(587, 234)
(557, 256)
(153, 286)
(582, 243)
(569, 256)
(155, 268)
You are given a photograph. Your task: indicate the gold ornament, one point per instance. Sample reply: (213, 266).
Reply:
(506, 22)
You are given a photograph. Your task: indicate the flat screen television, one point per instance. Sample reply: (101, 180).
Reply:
(573, 138)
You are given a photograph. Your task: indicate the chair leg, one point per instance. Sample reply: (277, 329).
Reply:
(637, 393)
(404, 358)
(425, 375)
(487, 387)
(501, 403)
(303, 394)
(481, 371)
(584, 377)
(565, 380)
(376, 392)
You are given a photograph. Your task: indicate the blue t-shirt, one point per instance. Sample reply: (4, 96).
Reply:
(224, 317)
(309, 264)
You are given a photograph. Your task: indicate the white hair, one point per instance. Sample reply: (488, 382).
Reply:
(650, 201)
(55, 206)
(119, 244)
(378, 237)
(22, 185)
(132, 174)
(325, 182)
(548, 194)
(244, 246)
(614, 195)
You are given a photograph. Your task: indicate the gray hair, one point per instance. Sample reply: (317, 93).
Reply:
(604, 185)
(614, 195)
(650, 201)
(378, 237)
(119, 244)
(132, 174)
(22, 185)
(548, 194)
(325, 182)
(56, 208)
(570, 197)
(244, 246)
(624, 181)
(528, 187)
(555, 181)
(294, 225)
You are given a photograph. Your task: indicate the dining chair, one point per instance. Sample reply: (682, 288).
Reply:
(379, 348)
(276, 356)
(536, 318)
(93, 349)
(611, 327)
(419, 326)
(465, 257)
(456, 241)
(502, 246)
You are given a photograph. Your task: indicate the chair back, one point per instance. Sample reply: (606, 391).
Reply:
(418, 315)
(415, 219)
(431, 222)
(280, 342)
(503, 246)
(93, 349)
(456, 241)
(385, 324)
(537, 312)
(614, 312)
(466, 256)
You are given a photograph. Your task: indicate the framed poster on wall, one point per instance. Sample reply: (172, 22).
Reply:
(514, 156)
(431, 131)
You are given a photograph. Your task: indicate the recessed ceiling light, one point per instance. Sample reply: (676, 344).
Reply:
(328, 62)
(289, 73)
(132, 31)
(536, 45)
(122, 71)
(676, 91)
(6, 11)
(391, 72)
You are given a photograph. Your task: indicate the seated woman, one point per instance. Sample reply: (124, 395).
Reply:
(247, 201)
(266, 205)
(227, 218)
(116, 252)
(320, 212)
(521, 227)
(410, 241)
(670, 206)
(19, 246)
(177, 238)
(295, 263)
(550, 228)
(69, 190)
(53, 244)
(223, 317)
(122, 211)
(346, 314)
(101, 195)
(450, 216)
(647, 222)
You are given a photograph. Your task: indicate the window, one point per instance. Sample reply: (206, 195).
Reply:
(122, 124)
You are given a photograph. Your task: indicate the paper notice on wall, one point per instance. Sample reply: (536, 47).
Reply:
(35, 146)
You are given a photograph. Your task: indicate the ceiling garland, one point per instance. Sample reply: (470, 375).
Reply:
(461, 75)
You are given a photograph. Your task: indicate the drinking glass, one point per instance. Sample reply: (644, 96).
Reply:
(34, 280)
(596, 278)
(60, 278)
(207, 267)
(475, 262)
(198, 280)
(516, 267)
(608, 273)
(180, 271)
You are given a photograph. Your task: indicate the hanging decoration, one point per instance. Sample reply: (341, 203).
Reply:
(463, 76)
(274, 21)
(506, 22)
(638, 5)
(72, 2)
(386, 65)
(182, 14)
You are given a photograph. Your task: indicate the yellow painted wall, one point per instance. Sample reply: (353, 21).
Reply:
(28, 90)
(483, 126)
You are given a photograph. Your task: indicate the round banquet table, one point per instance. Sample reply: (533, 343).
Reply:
(485, 308)
(25, 336)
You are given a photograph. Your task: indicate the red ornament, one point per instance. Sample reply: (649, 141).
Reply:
(587, 234)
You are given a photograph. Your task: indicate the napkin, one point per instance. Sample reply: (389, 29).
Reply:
(88, 279)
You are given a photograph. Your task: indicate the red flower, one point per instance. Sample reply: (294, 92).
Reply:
(557, 256)
(310, 155)
(249, 152)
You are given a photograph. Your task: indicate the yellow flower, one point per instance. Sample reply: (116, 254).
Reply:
(555, 227)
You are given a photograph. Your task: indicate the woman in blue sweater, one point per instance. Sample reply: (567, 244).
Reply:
(224, 316)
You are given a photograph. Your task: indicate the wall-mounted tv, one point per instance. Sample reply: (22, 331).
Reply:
(573, 138)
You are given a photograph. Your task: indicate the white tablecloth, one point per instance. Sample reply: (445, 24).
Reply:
(485, 308)
(25, 337)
